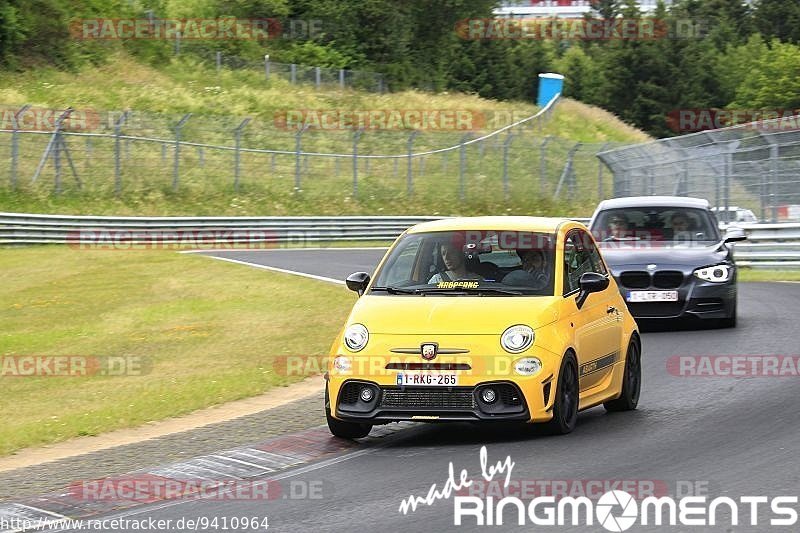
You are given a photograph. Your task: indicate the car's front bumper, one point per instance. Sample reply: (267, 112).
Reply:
(696, 299)
(521, 398)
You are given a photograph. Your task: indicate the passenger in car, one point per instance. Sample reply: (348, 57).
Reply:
(534, 271)
(455, 263)
(618, 226)
(681, 226)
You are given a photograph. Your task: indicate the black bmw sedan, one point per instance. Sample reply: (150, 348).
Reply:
(669, 258)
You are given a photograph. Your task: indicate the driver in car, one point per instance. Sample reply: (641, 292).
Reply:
(533, 273)
(455, 263)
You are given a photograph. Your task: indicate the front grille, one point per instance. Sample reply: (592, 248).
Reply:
(509, 394)
(668, 279)
(428, 398)
(349, 394)
(635, 279)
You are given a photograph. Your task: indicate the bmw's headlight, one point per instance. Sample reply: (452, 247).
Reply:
(517, 338)
(356, 337)
(716, 273)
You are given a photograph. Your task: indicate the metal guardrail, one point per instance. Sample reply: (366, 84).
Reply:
(768, 245)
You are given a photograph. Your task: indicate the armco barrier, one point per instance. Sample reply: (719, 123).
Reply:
(768, 245)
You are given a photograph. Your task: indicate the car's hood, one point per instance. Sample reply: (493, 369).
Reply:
(456, 315)
(663, 254)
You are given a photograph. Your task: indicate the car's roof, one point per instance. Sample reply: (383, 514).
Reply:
(497, 223)
(653, 201)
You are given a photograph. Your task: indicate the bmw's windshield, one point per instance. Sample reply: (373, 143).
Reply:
(664, 224)
(486, 263)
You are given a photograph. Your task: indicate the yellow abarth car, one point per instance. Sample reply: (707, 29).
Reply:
(484, 319)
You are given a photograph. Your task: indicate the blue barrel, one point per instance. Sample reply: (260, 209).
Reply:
(550, 84)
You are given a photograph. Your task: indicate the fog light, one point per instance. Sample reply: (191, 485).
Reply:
(366, 394)
(488, 395)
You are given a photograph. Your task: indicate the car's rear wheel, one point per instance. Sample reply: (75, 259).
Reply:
(565, 406)
(341, 428)
(631, 382)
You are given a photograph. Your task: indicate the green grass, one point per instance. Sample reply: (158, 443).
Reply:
(749, 274)
(159, 97)
(209, 335)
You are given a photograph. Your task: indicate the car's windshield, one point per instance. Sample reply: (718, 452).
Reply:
(490, 263)
(670, 224)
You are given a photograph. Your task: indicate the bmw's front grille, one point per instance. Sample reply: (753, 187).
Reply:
(635, 279)
(668, 279)
(428, 398)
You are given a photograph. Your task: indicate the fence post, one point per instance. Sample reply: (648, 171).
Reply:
(298, 143)
(600, 191)
(356, 138)
(56, 142)
(462, 165)
(293, 76)
(317, 77)
(238, 153)
(117, 153)
(506, 148)
(177, 43)
(177, 161)
(543, 165)
(410, 173)
(773, 175)
(567, 172)
(15, 144)
(341, 78)
(266, 67)
(726, 191)
(219, 62)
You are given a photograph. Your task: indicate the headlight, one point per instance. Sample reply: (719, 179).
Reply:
(517, 338)
(356, 337)
(527, 366)
(716, 273)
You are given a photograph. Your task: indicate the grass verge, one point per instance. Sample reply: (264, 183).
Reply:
(209, 335)
(750, 274)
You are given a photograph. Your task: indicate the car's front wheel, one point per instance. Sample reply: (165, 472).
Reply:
(341, 428)
(631, 382)
(565, 406)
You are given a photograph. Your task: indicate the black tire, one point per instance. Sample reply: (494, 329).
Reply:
(631, 382)
(342, 429)
(565, 405)
(729, 322)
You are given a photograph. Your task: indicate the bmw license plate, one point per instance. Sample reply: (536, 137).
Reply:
(427, 379)
(652, 296)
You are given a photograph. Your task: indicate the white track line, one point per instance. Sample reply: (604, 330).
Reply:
(300, 249)
(281, 270)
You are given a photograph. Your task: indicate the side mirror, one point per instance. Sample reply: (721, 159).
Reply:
(358, 282)
(734, 234)
(590, 282)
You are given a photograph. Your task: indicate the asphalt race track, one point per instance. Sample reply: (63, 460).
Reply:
(722, 436)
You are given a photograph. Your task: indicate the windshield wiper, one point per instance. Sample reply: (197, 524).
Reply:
(469, 290)
(396, 290)
(620, 239)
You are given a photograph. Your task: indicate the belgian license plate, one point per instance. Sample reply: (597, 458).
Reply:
(427, 379)
(652, 296)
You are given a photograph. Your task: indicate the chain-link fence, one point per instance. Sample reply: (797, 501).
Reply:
(319, 77)
(136, 152)
(753, 166)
